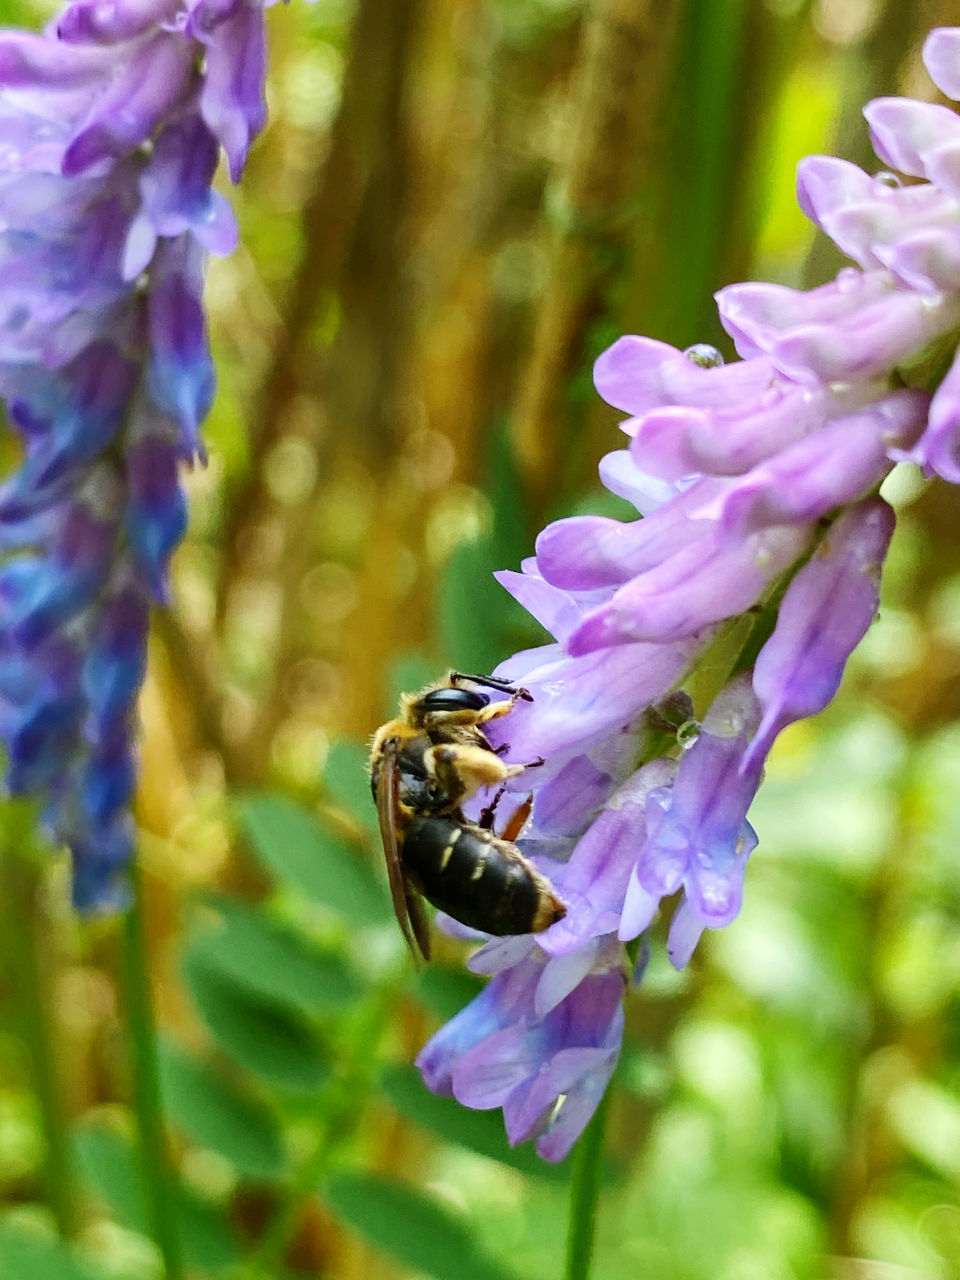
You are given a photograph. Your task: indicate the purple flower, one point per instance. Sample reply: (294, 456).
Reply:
(597, 877)
(530, 1042)
(824, 615)
(697, 836)
(757, 483)
(111, 125)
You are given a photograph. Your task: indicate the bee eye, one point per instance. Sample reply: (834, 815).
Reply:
(453, 700)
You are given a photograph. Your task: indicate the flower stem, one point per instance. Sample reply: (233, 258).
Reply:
(148, 1107)
(584, 1192)
(23, 884)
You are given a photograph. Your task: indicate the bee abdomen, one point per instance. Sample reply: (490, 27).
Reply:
(482, 881)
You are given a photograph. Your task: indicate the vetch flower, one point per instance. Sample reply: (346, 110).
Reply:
(111, 124)
(698, 838)
(823, 616)
(757, 484)
(546, 1063)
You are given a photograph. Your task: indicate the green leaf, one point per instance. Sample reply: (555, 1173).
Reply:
(27, 1255)
(512, 537)
(347, 782)
(217, 1114)
(111, 1165)
(295, 848)
(418, 1231)
(408, 672)
(447, 989)
(700, 185)
(469, 594)
(263, 1037)
(480, 623)
(250, 949)
(479, 1131)
(601, 502)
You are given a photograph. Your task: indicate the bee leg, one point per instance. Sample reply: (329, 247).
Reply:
(518, 819)
(497, 709)
(486, 815)
(463, 770)
(504, 747)
(492, 682)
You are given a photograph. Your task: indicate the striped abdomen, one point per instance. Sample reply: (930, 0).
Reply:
(481, 881)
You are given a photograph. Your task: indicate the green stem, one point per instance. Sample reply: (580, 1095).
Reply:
(584, 1192)
(30, 976)
(157, 1174)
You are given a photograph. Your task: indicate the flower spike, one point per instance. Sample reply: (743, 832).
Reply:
(758, 486)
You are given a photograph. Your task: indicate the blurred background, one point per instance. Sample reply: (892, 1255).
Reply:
(456, 206)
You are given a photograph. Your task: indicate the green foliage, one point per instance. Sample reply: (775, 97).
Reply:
(274, 1044)
(14, 13)
(217, 1113)
(414, 1229)
(408, 672)
(298, 850)
(28, 1255)
(112, 1167)
(271, 961)
(346, 781)
(470, 595)
(792, 1094)
(479, 1131)
(511, 534)
(468, 592)
(446, 989)
(701, 184)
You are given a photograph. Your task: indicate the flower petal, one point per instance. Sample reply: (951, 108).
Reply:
(919, 138)
(712, 579)
(941, 56)
(232, 100)
(825, 613)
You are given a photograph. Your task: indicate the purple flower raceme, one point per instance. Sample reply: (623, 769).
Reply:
(111, 123)
(757, 483)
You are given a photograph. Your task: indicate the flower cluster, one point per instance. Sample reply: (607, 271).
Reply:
(110, 128)
(758, 487)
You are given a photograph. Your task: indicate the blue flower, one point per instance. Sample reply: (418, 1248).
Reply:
(111, 124)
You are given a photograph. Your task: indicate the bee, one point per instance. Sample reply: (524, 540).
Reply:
(424, 766)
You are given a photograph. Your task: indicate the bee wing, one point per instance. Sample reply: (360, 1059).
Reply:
(418, 919)
(406, 905)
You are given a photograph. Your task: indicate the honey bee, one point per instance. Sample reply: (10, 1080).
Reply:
(424, 766)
